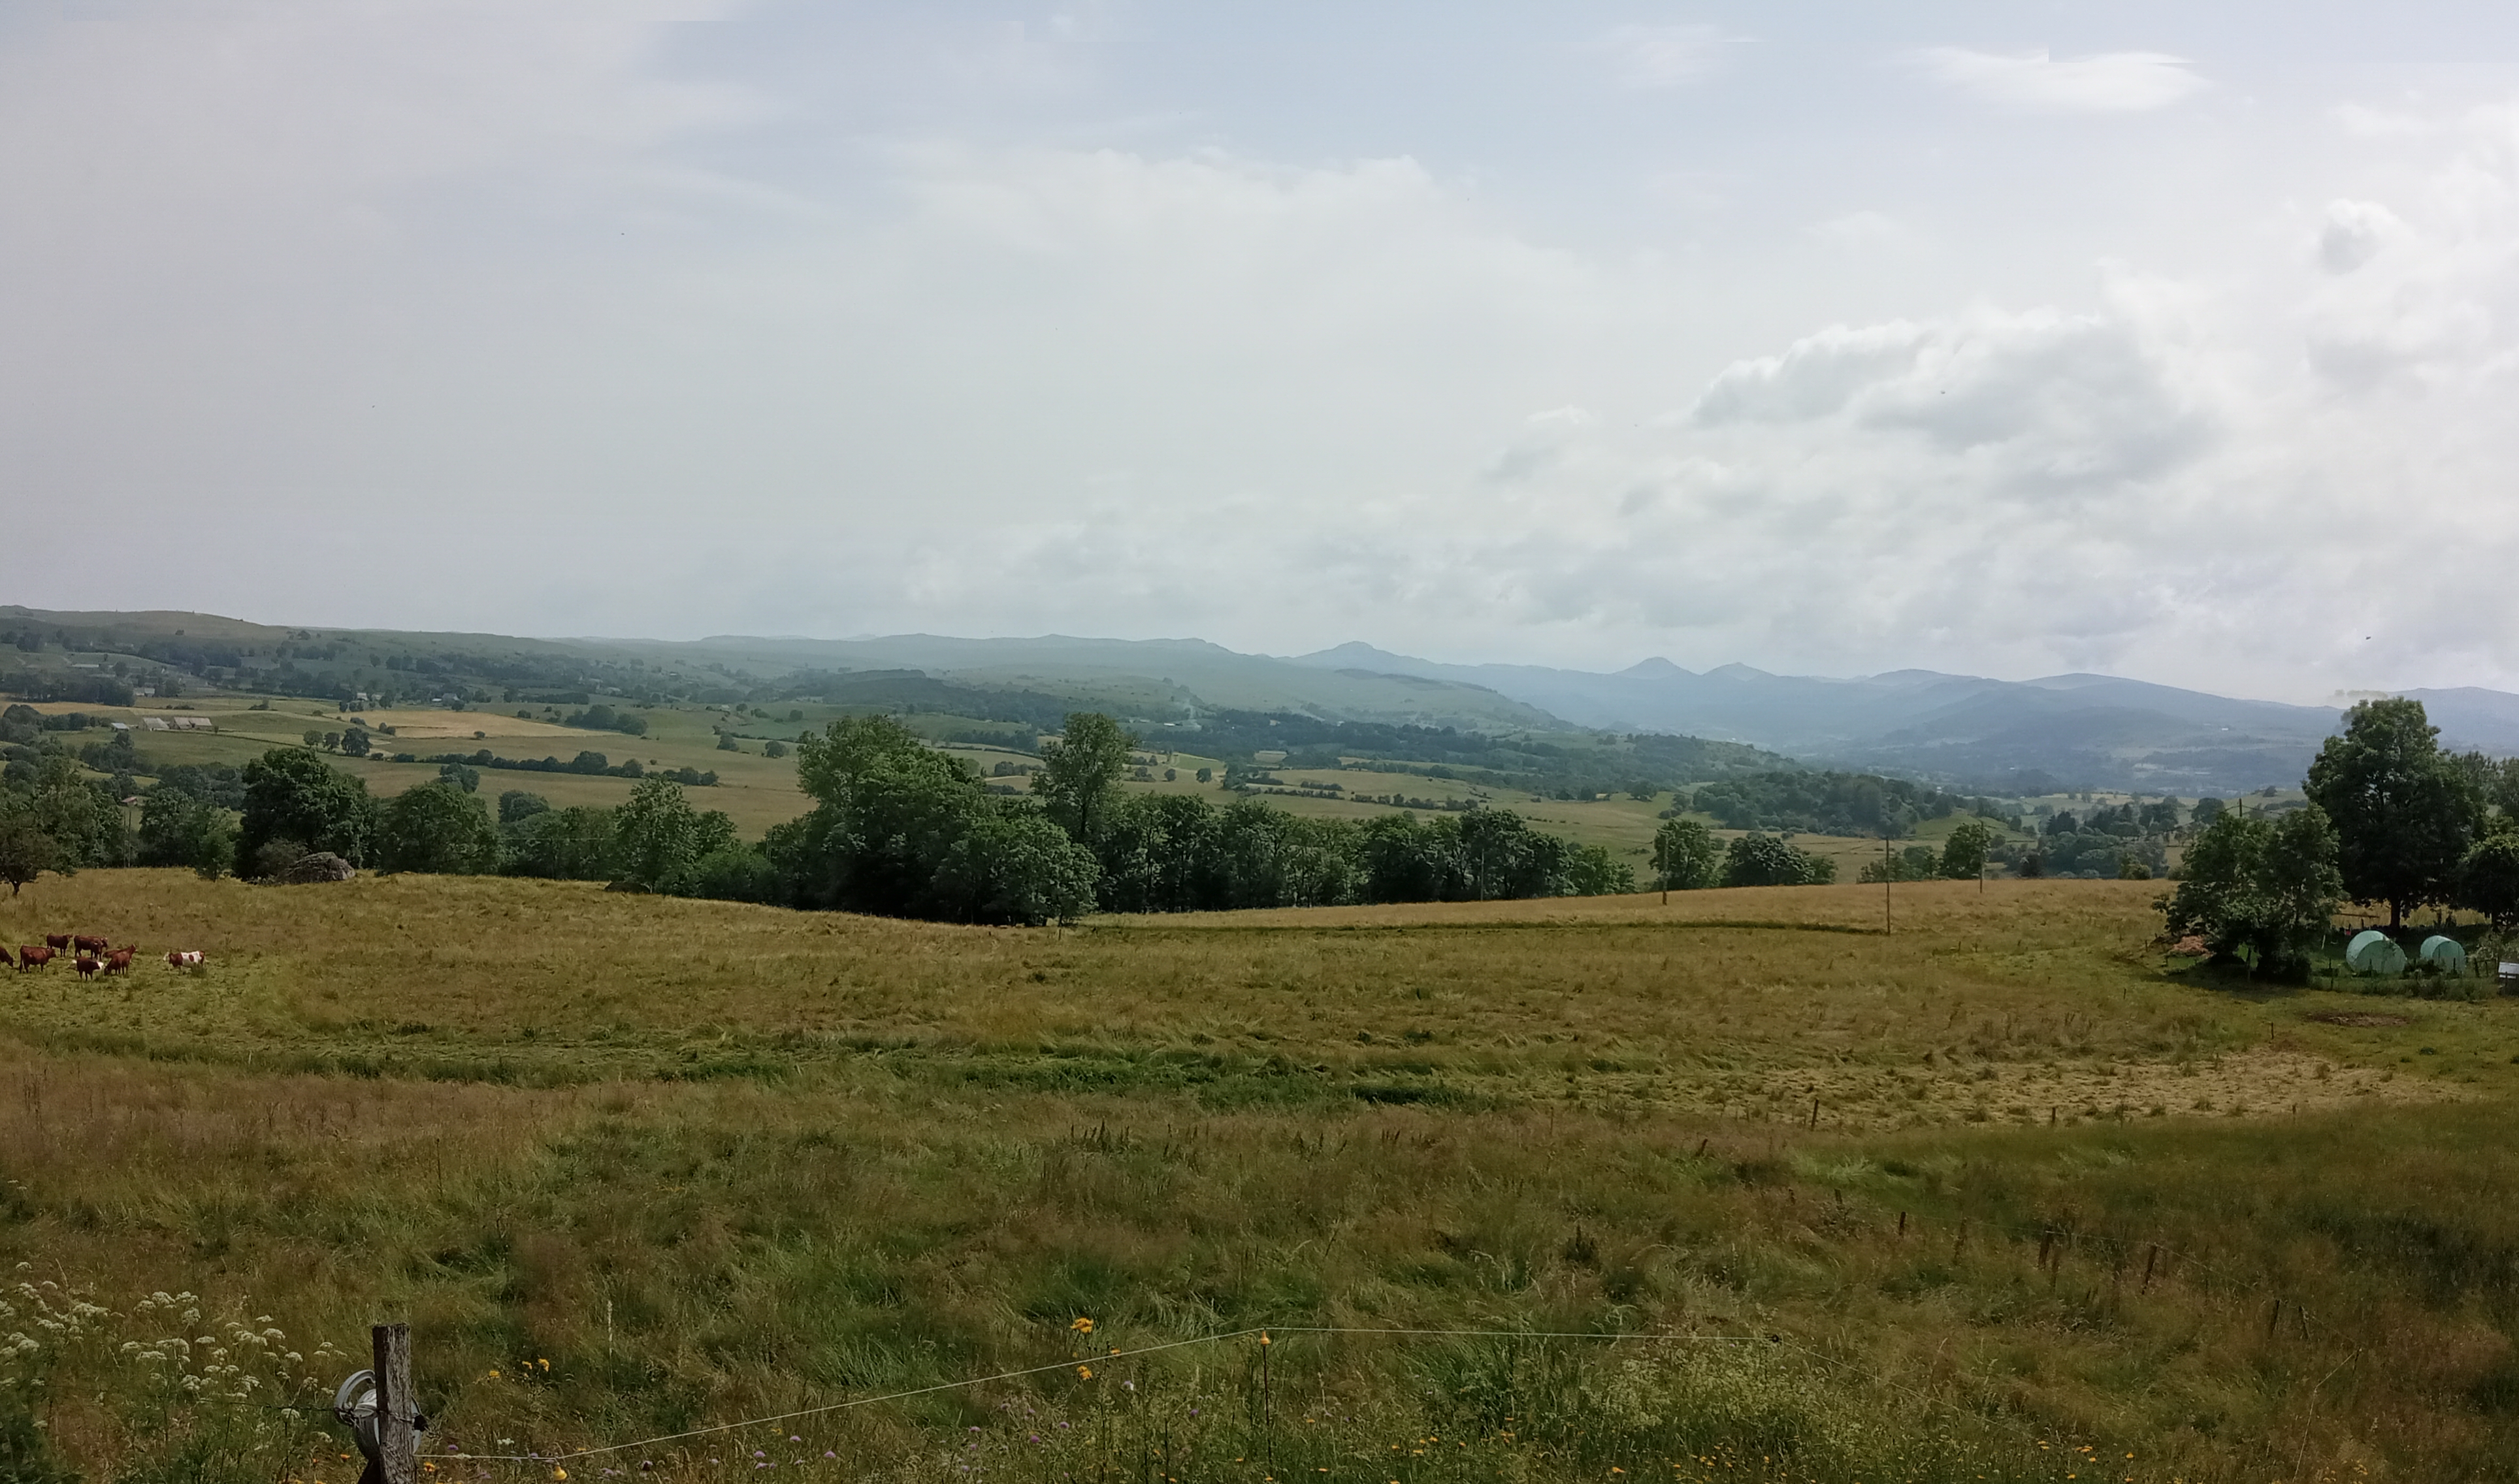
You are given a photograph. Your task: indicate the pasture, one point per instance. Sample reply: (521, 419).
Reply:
(2001, 1195)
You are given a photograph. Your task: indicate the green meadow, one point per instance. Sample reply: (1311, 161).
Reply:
(1735, 1187)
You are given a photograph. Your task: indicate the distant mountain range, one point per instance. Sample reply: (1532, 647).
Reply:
(1967, 731)
(2076, 730)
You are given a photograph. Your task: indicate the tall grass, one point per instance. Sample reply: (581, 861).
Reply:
(633, 1166)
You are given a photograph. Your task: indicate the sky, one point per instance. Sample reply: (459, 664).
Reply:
(2168, 341)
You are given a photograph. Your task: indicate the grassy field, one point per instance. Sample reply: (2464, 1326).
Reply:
(2002, 1195)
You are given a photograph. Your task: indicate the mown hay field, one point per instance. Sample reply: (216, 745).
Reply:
(2001, 1193)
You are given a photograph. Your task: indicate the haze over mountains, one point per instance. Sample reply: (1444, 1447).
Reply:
(1966, 731)
(2079, 730)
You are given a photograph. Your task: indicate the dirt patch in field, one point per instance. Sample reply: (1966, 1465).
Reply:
(2358, 1018)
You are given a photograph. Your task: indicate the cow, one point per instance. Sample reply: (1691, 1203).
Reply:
(59, 943)
(86, 944)
(5, 958)
(118, 961)
(87, 964)
(183, 958)
(33, 957)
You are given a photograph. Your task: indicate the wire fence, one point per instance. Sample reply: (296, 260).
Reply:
(2162, 1264)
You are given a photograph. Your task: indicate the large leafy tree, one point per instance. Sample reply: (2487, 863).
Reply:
(1685, 856)
(658, 838)
(2403, 812)
(1079, 781)
(887, 808)
(26, 848)
(179, 829)
(1967, 848)
(2260, 888)
(1157, 853)
(573, 844)
(1016, 867)
(2488, 879)
(1399, 859)
(292, 795)
(437, 828)
(1757, 859)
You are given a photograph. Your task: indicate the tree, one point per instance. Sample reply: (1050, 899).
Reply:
(656, 837)
(1590, 870)
(2258, 888)
(177, 829)
(1758, 860)
(2403, 812)
(292, 794)
(1157, 854)
(888, 807)
(1017, 868)
(312, 738)
(2488, 878)
(26, 848)
(1080, 773)
(439, 829)
(516, 805)
(462, 776)
(1685, 856)
(1917, 862)
(774, 749)
(354, 742)
(1966, 850)
(572, 843)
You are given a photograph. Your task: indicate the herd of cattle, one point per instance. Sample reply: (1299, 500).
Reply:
(90, 956)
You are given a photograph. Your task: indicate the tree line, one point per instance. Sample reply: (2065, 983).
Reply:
(898, 828)
(2391, 819)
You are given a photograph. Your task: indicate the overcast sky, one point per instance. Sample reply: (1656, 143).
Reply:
(2171, 341)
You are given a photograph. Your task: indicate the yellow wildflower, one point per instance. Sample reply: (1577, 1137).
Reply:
(1082, 1326)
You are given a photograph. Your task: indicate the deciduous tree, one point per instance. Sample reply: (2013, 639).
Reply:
(1685, 856)
(2404, 814)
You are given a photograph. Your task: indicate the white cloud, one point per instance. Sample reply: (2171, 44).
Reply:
(1667, 56)
(490, 333)
(2109, 82)
(2353, 233)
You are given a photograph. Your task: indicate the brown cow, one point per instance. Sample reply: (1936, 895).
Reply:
(87, 965)
(5, 958)
(32, 958)
(118, 961)
(183, 958)
(86, 944)
(59, 943)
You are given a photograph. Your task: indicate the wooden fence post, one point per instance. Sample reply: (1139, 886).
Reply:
(397, 1460)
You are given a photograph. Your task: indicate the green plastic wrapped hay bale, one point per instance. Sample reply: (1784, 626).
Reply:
(2372, 951)
(2445, 954)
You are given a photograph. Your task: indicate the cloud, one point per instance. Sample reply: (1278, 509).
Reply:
(268, 298)
(2109, 82)
(1665, 56)
(2353, 235)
